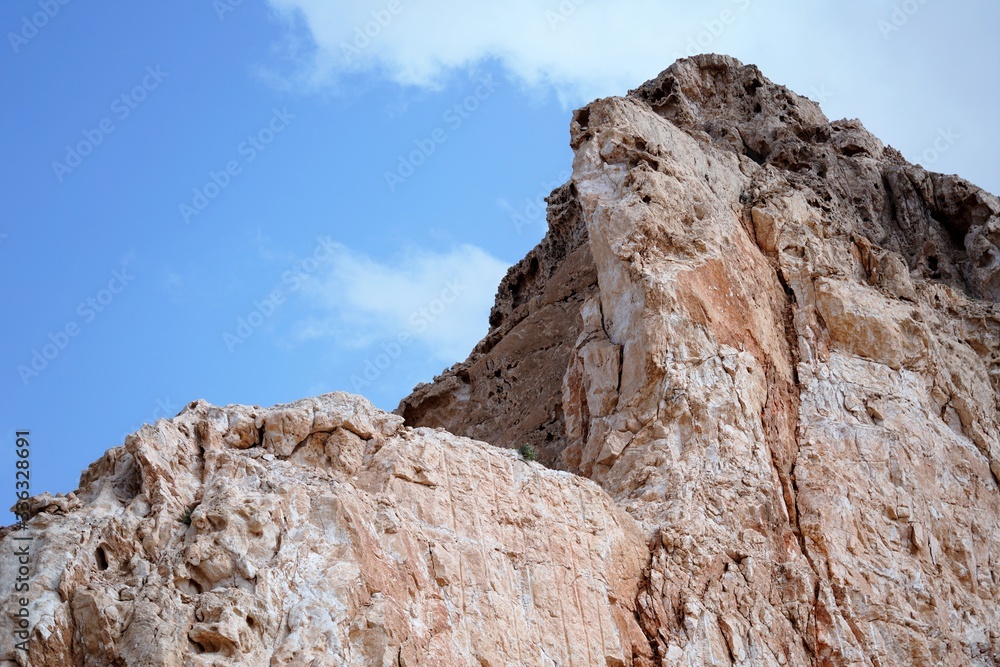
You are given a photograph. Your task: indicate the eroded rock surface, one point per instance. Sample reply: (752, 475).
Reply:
(506, 392)
(326, 533)
(787, 370)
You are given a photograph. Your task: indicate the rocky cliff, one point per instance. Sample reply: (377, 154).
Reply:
(776, 344)
(326, 533)
(759, 355)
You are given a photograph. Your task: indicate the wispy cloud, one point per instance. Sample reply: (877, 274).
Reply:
(585, 47)
(438, 300)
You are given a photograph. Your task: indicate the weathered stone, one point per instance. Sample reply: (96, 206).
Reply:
(807, 376)
(408, 547)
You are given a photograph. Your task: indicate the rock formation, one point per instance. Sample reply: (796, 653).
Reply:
(776, 344)
(760, 353)
(326, 533)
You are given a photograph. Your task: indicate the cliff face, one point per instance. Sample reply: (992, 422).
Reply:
(784, 362)
(760, 349)
(326, 533)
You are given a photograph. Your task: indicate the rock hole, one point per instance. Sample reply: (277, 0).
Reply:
(217, 523)
(875, 416)
(102, 558)
(583, 117)
(932, 264)
(753, 155)
(251, 622)
(794, 251)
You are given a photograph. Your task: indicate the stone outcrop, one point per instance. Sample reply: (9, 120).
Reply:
(760, 353)
(784, 362)
(509, 392)
(326, 533)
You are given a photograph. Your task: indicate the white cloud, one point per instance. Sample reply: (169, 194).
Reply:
(580, 46)
(440, 300)
(871, 55)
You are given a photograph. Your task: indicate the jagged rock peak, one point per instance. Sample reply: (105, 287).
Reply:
(773, 342)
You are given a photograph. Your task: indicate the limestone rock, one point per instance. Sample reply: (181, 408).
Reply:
(786, 367)
(326, 533)
(505, 393)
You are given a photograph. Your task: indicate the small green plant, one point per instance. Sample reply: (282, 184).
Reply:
(186, 517)
(528, 452)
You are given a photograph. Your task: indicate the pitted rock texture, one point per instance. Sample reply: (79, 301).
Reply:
(504, 393)
(326, 533)
(786, 367)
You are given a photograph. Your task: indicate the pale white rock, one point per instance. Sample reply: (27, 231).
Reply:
(806, 413)
(352, 541)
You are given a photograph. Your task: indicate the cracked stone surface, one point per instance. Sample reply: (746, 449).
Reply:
(759, 356)
(326, 533)
(783, 361)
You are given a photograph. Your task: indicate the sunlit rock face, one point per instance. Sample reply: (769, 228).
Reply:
(780, 355)
(326, 533)
(758, 354)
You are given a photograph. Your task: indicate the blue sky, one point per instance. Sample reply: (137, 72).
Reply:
(257, 201)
